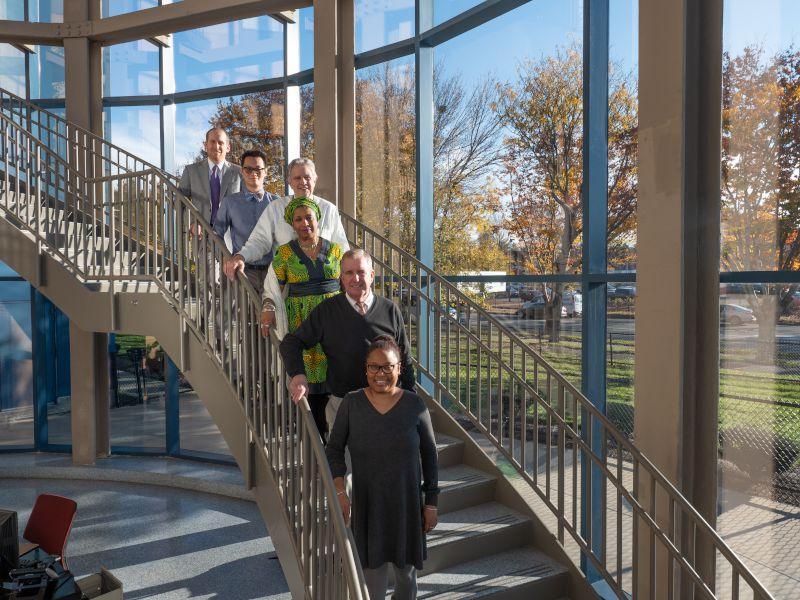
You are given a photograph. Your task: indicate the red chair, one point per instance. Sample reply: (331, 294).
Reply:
(50, 523)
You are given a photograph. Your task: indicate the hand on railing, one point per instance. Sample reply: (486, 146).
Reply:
(233, 265)
(267, 319)
(344, 500)
(298, 387)
(196, 230)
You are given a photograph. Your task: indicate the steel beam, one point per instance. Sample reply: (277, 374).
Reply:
(595, 216)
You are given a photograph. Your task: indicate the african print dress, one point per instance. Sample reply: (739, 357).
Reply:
(310, 282)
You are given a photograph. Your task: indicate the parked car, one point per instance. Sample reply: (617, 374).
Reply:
(571, 304)
(733, 314)
(532, 309)
(621, 291)
(740, 289)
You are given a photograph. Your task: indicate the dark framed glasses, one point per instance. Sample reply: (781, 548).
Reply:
(385, 369)
(254, 170)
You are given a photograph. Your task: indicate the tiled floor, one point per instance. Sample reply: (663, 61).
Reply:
(162, 542)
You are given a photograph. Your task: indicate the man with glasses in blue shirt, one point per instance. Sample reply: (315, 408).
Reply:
(240, 212)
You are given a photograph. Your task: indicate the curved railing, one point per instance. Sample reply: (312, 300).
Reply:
(108, 216)
(648, 539)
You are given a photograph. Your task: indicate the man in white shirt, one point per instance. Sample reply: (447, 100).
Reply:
(272, 230)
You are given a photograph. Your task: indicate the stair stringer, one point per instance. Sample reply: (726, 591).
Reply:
(517, 495)
(140, 308)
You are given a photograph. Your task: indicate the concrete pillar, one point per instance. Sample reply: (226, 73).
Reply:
(89, 411)
(677, 312)
(88, 351)
(334, 101)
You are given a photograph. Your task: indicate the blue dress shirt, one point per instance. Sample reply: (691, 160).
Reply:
(240, 212)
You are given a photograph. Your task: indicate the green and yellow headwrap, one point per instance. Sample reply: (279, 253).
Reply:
(296, 203)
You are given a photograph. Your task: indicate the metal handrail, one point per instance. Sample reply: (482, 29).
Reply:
(124, 220)
(497, 381)
(512, 384)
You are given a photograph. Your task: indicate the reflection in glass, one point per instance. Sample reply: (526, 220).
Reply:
(385, 151)
(306, 16)
(307, 121)
(447, 9)
(47, 72)
(45, 11)
(620, 354)
(228, 53)
(16, 380)
(192, 120)
(131, 69)
(137, 399)
(135, 129)
(12, 10)
(760, 138)
(120, 7)
(12, 69)
(759, 427)
(382, 22)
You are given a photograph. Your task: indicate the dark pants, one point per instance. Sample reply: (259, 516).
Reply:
(317, 403)
(256, 275)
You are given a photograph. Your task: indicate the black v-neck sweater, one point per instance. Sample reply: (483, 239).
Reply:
(345, 336)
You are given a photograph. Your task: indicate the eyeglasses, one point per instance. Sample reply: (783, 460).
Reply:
(385, 369)
(254, 170)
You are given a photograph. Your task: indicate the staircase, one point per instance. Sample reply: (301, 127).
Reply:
(522, 453)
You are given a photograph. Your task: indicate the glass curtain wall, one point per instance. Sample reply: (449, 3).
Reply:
(759, 404)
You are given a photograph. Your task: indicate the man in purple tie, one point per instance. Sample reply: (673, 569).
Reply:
(207, 182)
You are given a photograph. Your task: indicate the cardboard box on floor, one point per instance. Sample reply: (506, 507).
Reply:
(101, 586)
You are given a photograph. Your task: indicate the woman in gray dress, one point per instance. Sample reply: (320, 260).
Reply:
(387, 430)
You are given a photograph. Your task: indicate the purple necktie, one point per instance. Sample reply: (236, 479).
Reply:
(214, 193)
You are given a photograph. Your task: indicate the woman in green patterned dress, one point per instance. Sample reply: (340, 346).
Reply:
(310, 267)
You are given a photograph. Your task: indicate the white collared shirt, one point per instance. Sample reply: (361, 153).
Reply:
(220, 167)
(368, 302)
(272, 230)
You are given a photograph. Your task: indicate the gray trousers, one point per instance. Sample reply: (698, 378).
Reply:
(331, 409)
(405, 582)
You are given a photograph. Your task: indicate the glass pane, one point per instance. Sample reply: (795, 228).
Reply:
(228, 53)
(497, 174)
(12, 10)
(16, 364)
(760, 137)
(192, 120)
(55, 374)
(137, 403)
(385, 151)
(307, 121)
(119, 7)
(199, 433)
(306, 16)
(135, 129)
(252, 121)
(623, 119)
(47, 72)
(45, 11)
(759, 428)
(620, 356)
(447, 9)
(382, 22)
(12, 69)
(130, 69)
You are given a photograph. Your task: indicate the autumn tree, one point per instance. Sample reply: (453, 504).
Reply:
(256, 121)
(543, 168)
(760, 165)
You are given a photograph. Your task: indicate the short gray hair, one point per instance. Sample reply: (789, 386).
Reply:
(301, 162)
(356, 253)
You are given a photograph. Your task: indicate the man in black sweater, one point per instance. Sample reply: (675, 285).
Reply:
(345, 325)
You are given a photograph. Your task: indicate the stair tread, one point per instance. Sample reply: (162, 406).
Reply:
(459, 476)
(481, 519)
(446, 441)
(490, 575)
